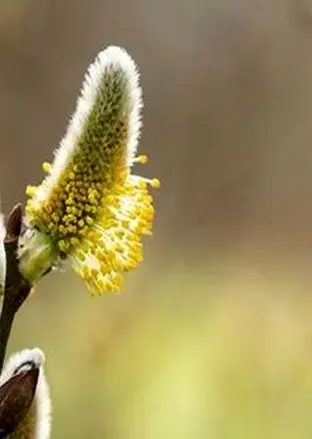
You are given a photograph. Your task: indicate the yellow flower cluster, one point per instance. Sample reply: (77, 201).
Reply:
(93, 209)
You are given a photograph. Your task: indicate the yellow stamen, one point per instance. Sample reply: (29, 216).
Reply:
(155, 183)
(142, 159)
(46, 167)
(31, 190)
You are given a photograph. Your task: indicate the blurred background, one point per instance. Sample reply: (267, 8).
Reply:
(212, 335)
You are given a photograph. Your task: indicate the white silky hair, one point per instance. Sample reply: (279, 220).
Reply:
(2, 254)
(20, 361)
(111, 59)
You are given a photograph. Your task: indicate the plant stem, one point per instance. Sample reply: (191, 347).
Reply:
(17, 288)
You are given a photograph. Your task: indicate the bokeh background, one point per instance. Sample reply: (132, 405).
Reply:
(212, 335)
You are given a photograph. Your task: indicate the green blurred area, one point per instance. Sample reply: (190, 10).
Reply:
(212, 334)
(210, 352)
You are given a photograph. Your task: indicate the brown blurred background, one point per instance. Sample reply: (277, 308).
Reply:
(228, 128)
(227, 116)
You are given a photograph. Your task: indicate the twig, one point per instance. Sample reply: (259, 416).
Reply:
(17, 288)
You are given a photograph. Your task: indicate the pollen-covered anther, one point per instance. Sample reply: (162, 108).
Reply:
(46, 167)
(141, 159)
(155, 183)
(31, 190)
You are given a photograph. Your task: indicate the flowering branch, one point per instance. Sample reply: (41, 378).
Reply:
(89, 212)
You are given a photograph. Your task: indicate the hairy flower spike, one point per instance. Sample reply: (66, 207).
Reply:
(37, 422)
(90, 209)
